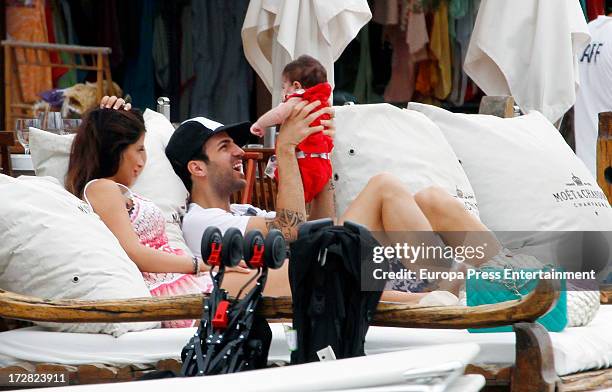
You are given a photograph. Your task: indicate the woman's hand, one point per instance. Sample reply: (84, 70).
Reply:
(114, 102)
(296, 127)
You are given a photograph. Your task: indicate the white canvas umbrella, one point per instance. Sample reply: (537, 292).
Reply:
(527, 49)
(275, 32)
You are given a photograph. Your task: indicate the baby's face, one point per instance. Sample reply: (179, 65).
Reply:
(287, 87)
(290, 87)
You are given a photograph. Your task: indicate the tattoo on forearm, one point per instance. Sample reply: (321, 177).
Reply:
(332, 189)
(287, 222)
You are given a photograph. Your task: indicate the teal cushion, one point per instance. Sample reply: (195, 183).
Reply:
(481, 291)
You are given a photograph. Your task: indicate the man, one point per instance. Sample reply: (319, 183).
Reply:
(207, 158)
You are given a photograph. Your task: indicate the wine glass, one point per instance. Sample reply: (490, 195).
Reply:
(22, 128)
(52, 122)
(71, 125)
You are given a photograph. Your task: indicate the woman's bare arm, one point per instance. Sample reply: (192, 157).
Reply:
(108, 202)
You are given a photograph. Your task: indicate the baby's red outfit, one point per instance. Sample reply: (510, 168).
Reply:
(315, 170)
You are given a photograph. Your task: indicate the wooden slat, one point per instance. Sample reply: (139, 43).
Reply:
(58, 65)
(59, 47)
(7, 85)
(604, 154)
(527, 309)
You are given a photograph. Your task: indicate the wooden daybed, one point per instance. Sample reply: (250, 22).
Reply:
(533, 369)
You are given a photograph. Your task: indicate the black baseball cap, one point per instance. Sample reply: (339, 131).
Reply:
(188, 139)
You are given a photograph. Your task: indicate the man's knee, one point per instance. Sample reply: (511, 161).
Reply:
(434, 200)
(387, 184)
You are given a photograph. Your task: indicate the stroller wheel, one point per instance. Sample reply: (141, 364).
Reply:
(275, 250)
(231, 252)
(211, 235)
(251, 240)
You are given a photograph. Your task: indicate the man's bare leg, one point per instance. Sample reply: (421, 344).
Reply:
(385, 204)
(323, 205)
(454, 224)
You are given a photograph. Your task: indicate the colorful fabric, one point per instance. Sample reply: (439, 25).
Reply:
(25, 21)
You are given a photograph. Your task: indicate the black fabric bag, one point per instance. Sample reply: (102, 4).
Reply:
(330, 306)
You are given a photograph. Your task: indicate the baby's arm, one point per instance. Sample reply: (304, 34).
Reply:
(274, 116)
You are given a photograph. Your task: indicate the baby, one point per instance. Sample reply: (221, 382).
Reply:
(305, 78)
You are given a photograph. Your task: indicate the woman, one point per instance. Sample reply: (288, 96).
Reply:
(108, 154)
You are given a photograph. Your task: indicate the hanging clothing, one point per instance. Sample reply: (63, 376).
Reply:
(187, 72)
(403, 69)
(139, 74)
(530, 55)
(56, 73)
(463, 31)
(440, 48)
(594, 94)
(25, 21)
(363, 82)
(595, 8)
(160, 53)
(584, 9)
(386, 12)
(223, 83)
(69, 77)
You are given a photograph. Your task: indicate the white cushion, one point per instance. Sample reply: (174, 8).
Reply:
(371, 139)
(575, 349)
(157, 182)
(54, 246)
(50, 153)
(526, 178)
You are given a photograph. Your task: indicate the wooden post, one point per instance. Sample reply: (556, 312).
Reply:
(7, 87)
(500, 106)
(99, 76)
(534, 368)
(3, 57)
(604, 154)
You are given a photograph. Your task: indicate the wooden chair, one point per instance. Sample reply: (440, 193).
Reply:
(250, 161)
(7, 140)
(265, 188)
(95, 59)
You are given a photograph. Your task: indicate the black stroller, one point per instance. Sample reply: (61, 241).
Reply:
(231, 337)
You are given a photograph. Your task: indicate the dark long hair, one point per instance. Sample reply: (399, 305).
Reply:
(100, 140)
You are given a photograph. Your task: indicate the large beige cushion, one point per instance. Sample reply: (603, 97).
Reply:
(371, 139)
(54, 246)
(157, 182)
(531, 188)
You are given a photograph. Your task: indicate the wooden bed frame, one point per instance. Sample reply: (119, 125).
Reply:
(532, 371)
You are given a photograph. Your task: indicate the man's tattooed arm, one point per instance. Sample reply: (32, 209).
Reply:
(288, 222)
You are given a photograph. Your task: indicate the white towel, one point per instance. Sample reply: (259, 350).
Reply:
(527, 49)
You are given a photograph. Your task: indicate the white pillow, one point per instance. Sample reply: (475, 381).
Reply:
(526, 178)
(54, 246)
(371, 139)
(50, 153)
(157, 182)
